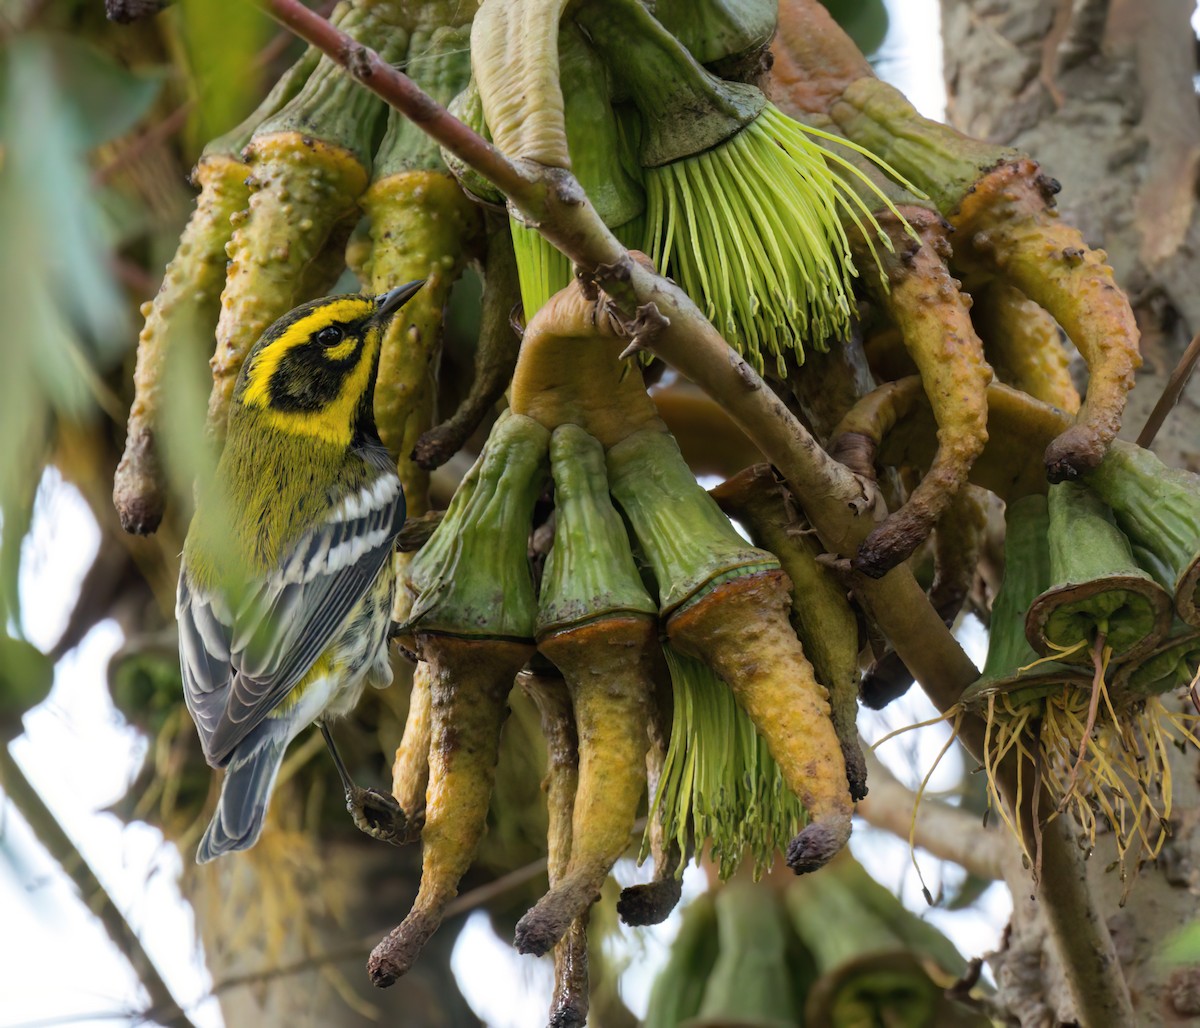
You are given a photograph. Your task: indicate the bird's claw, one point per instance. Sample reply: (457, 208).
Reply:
(379, 815)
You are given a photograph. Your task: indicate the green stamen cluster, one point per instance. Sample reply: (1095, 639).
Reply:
(753, 231)
(718, 777)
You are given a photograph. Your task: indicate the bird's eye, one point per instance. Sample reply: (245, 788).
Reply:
(330, 335)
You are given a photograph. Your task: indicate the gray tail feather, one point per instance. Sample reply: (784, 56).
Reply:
(245, 793)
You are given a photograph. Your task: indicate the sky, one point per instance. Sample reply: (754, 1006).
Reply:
(81, 756)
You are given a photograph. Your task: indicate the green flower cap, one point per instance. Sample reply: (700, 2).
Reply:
(439, 61)
(1171, 665)
(689, 544)
(719, 780)
(685, 110)
(332, 106)
(1026, 575)
(590, 572)
(1096, 584)
(1158, 508)
(483, 585)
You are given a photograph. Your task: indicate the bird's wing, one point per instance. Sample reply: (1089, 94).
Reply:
(238, 665)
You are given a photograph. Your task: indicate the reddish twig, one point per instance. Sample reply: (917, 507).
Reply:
(366, 66)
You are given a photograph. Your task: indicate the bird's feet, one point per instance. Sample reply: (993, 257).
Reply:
(379, 815)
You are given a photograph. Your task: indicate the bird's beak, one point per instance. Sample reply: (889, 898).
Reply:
(386, 304)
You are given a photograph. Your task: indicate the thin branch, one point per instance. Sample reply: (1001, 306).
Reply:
(1171, 392)
(50, 834)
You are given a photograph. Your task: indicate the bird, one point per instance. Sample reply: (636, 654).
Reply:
(286, 582)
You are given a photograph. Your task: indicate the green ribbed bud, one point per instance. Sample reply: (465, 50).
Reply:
(689, 544)
(590, 572)
(1159, 508)
(483, 586)
(331, 106)
(750, 985)
(713, 30)
(1096, 585)
(439, 61)
(685, 110)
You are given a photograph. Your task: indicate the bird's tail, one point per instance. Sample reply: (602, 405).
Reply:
(245, 793)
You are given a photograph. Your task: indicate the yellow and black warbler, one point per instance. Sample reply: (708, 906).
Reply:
(285, 591)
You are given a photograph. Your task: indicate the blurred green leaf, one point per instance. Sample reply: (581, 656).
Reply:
(64, 314)
(1184, 946)
(26, 676)
(865, 21)
(108, 99)
(222, 38)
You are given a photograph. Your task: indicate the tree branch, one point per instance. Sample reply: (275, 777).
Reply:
(95, 897)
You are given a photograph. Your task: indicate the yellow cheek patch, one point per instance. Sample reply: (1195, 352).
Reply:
(342, 350)
(264, 363)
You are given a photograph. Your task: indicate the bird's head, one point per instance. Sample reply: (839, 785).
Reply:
(313, 371)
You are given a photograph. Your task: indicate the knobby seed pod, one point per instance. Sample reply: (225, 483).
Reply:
(651, 902)
(309, 164)
(1097, 588)
(597, 624)
(410, 769)
(548, 690)
(720, 786)
(1023, 344)
(182, 318)
(1000, 205)
(924, 302)
(893, 426)
(821, 611)
(915, 292)
(421, 227)
(1158, 508)
(473, 623)
(727, 602)
(495, 352)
